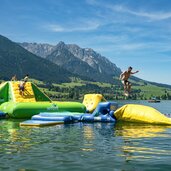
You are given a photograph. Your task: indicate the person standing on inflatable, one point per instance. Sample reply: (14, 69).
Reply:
(26, 78)
(14, 78)
(124, 78)
(22, 87)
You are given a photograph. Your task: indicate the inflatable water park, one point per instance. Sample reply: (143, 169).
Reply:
(39, 110)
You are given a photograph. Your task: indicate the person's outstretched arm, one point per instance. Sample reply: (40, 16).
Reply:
(134, 72)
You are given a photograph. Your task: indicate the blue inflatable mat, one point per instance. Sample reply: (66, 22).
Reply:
(59, 113)
(38, 123)
(56, 117)
(100, 118)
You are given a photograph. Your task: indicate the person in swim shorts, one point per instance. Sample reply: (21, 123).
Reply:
(124, 78)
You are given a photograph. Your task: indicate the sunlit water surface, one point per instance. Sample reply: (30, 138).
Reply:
(93, 147)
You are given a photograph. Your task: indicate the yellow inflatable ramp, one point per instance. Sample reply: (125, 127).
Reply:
(141, 114)
(28, 93)
(91, 101)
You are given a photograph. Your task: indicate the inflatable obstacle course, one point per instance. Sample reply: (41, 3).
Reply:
(17, 97)
(48, 112)
(32, 102)
(101, 114)
(4, 94)
(61, 116)
(141, 114)
(25, 110)
(91, 101)
(39, 123)
(9, 92)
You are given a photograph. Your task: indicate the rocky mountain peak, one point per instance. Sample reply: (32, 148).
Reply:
(60, 45)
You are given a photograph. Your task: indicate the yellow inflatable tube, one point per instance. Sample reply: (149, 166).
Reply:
(141, 114)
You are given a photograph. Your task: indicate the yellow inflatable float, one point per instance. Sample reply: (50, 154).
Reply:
(91, 101)
(141, 114)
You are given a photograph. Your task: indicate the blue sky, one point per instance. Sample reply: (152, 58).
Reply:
(128, 32)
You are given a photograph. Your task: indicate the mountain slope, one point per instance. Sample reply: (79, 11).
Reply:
(63, 57)
(95, 60)
(16, 60)
(41, 50)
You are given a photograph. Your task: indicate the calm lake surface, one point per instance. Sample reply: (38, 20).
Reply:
(82, 147)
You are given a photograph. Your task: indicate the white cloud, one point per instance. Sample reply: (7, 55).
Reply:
(55, 28)
(158, 15)
(133, 46)
(151, 15)
(86, 26)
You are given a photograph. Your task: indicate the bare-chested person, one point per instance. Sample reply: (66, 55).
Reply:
(124, 77)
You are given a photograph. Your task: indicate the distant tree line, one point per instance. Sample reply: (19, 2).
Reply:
(113, 92)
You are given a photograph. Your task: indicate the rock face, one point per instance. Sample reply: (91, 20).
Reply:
(94, 59)
(41, 50)
(82, 61)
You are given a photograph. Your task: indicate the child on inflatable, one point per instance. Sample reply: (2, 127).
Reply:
(22, 87)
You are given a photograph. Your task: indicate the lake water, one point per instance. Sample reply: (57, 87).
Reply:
(82, 147)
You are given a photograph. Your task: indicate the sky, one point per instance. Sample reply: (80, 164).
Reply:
(127, 32)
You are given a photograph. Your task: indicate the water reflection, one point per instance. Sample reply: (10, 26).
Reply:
(88, 132)
(136, 130)
(13, 139)
(133, 134)
(96, 133)
(16, 139)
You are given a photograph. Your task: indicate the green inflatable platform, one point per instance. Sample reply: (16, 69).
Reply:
(32, 102)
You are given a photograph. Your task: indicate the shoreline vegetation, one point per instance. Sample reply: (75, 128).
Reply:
(76, 90)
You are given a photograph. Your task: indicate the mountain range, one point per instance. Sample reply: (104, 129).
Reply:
(82, 61)
(57, 63)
